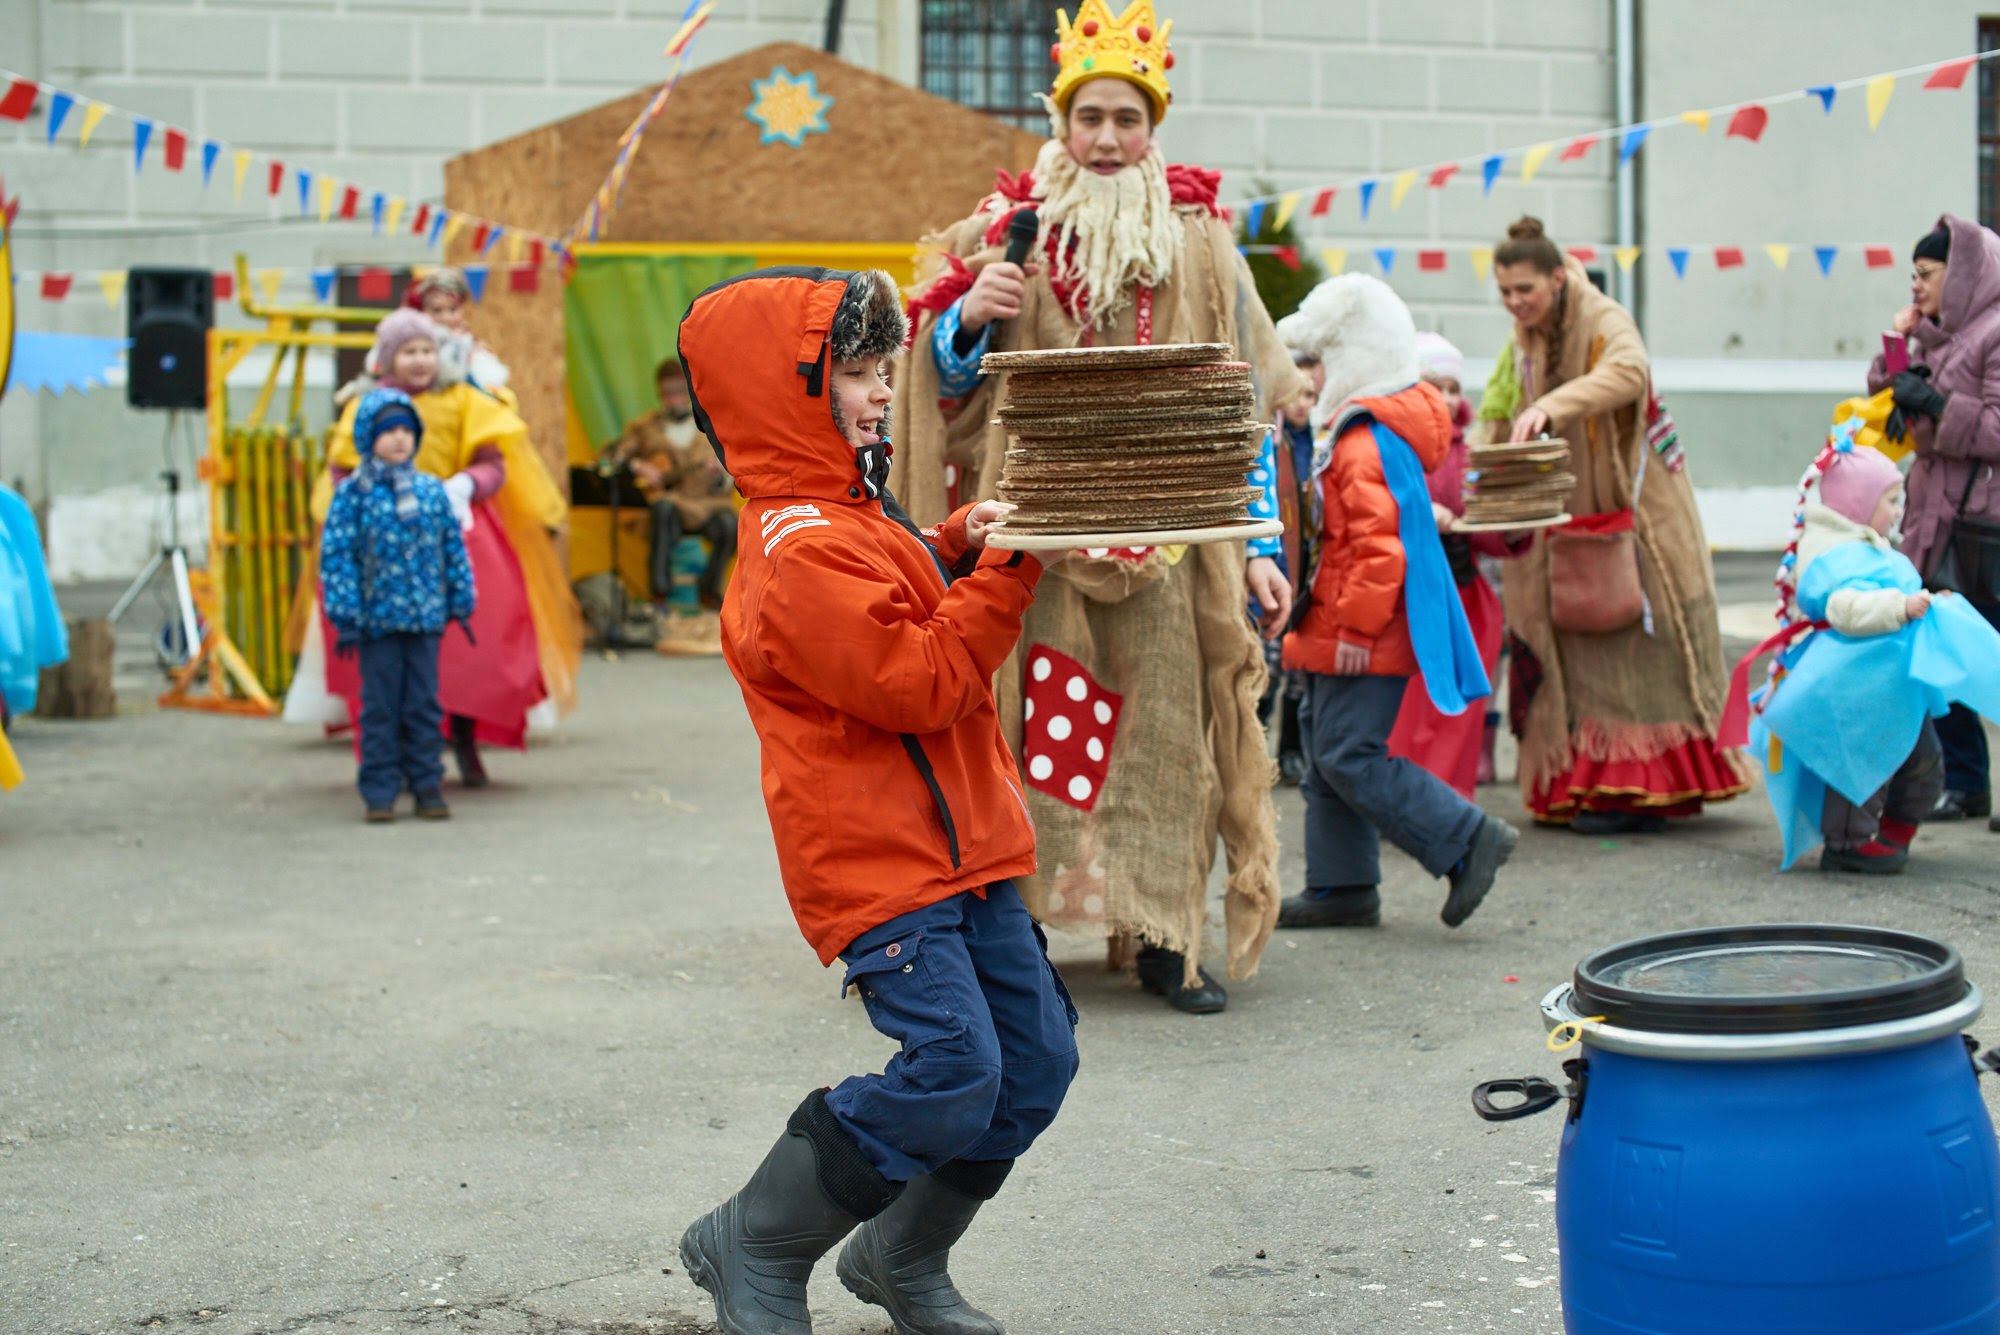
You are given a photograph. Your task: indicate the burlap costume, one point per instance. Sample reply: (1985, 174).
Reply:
(1168, 632)
(1628, 718)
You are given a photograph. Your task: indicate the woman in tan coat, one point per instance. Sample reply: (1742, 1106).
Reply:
(1616, 725)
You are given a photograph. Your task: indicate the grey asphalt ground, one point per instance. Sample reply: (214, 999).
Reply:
(263, 1069)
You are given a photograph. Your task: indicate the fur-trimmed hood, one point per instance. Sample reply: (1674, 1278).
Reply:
(759, 350)
(1362, 334)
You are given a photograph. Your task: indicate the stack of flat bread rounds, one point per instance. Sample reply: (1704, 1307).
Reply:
(1517, 486)
(1149, 441)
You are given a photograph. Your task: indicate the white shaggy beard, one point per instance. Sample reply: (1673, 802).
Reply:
(1123, 226)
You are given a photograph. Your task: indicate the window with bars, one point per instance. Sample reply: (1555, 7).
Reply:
(1989, 126)
(991, 55)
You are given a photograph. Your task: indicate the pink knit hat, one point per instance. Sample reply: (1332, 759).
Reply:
(1855, 480)
(397, 328)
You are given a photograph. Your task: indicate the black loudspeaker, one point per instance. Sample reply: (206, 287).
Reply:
(167, 316)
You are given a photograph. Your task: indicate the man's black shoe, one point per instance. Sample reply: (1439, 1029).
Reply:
(1164, 973)
(1952, 804)
(1341, 906)
(1491, 847)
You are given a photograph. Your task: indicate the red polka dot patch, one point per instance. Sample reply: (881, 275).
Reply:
(1069, 724)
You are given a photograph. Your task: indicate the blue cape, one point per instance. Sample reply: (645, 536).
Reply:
(32, 633)
(1447, 656)
(1847, 712)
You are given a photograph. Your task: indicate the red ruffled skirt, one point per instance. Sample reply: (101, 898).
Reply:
(494, 682)
(1674, 783)
(1448, 745)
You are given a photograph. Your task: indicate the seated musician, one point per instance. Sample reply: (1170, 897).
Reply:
(684, 483)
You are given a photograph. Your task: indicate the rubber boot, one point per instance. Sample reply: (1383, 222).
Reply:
(465, 749)
(897, 1259)
(755, 1251)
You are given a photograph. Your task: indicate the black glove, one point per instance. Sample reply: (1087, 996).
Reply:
(346, 644)
(1914, 393)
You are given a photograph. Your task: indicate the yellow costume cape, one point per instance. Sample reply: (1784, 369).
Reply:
(458, 422)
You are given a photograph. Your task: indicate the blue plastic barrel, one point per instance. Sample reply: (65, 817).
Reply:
(1775, 1130)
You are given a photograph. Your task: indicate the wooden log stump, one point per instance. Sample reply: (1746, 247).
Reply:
(81, 687)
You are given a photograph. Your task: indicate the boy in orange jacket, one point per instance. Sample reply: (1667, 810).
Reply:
(865, 650)
(1379, 605)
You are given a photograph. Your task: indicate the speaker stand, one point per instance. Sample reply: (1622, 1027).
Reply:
(171, 553)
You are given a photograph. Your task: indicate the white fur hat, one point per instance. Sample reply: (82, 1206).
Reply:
(1363, 335)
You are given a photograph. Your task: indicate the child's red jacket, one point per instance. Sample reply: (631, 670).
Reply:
(867, 673)
(1357, 584)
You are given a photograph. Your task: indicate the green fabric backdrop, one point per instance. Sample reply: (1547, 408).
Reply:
(621, 315)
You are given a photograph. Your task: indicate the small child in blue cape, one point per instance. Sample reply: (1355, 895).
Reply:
(1866, 660)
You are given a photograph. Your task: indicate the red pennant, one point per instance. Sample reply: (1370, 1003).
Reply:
(535, 253)
(350, 200)
(1069, 725)
(1323, 201)
(1431, 261)
(13, 207)
(176, 149)
(277, 178)
(225, 286)
(1583, 254)
(55, 286)
(1728, 257)
(1748, 122)
(1443, 174)
(1880, 257)
(422, 222)
(524, 278)
(19, 99)
(1951, 74)
(372, 285)
(1577, 148)
(479, 235)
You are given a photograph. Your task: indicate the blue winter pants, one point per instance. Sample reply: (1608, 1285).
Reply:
(987, 1029)
(1966, 768)
(1356, 791)
(402, 724)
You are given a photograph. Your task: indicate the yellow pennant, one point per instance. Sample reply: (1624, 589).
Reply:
(113, 283)
(516, 244)
(1781, 255)
(327, 188)
(395, 216)
(452, 226)
(92, 114)
(268, 283)
(1532, 160)
(1335, 260)
(1880, 89)
(1698, 119)
(1627, 256)
(1404, 180)
(1482, 261)
(242, 160)
(1286, 204)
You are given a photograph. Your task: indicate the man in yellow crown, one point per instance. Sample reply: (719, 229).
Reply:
(1131, 701)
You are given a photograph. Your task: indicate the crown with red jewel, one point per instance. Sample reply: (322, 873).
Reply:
(1132, 47)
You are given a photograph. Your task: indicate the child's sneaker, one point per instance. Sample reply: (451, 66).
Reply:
(380, 815)
(1873, 858)
(431, 806)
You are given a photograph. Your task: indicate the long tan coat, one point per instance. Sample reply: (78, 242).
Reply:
(1628, 695)
(1168, 633)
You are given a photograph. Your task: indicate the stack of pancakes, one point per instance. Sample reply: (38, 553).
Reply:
(1127, 439)
(1517, 484)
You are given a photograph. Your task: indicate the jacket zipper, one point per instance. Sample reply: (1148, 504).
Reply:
(923, 764)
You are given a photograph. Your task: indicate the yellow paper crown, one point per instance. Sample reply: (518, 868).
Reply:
(1132, 47)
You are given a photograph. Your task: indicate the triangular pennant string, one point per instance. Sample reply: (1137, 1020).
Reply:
(275, 179)
(1489, 172)
(1728, 257)
(1951, 74)
(1386, 257)
(421, 224)
(55, 286)
(350, 201)
(174, 151)
(395, 215)
(1335, 260)
(142, 131)
(1880, 90)
(19, 99)
(1324, 201)
(1442, 176)
(59, 105)
(304, 179)
(1482, 261)
(1404, 180)
(93, 115)
(210, 151)
(1626, 256)
(268, 283)
(329, 188)
(1748, 123)
(1825, 92)
(376, 207)
(1698, 119)
(491, 237)
(1431, 261)
(1253, 222)
(322, 281)
(1367, 198)
(1826, 256)
(240, 159)
(112, 281)
(1678, 257)
(475, 280)
(527, 278)
(1287, 205)
(1578, 148)
(1532, 160)
(1781, 255)
(1629, 145)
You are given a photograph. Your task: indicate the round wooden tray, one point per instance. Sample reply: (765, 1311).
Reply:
(1110, 357)
(1511, 525)
(1157, 537)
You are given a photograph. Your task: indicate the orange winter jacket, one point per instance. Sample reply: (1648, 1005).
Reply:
(1357, 583)
(867, 670)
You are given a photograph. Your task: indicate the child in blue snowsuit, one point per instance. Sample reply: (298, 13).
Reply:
(1844, 728)
(393, 572)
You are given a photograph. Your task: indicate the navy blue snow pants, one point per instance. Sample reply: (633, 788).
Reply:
(402, 723)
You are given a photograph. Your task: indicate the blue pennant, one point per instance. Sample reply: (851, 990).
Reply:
(475, 280)
(1489, 172)
(375, 211)
(1253, 222)
(1679, 259)
(1367, 198)
(305, 180)
(1630, 143)
(437, 226)
(142, 131)
(322, 280)
(1825, 255)
(1386, 257)
(210, 150)
(1825, 94)
(59, 105)
(491, 237)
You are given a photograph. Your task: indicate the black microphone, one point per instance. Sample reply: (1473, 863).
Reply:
(1021, 233)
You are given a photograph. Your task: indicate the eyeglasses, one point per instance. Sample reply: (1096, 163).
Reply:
(1924, 275)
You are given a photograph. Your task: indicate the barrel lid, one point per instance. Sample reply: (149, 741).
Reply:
(1767, 979)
